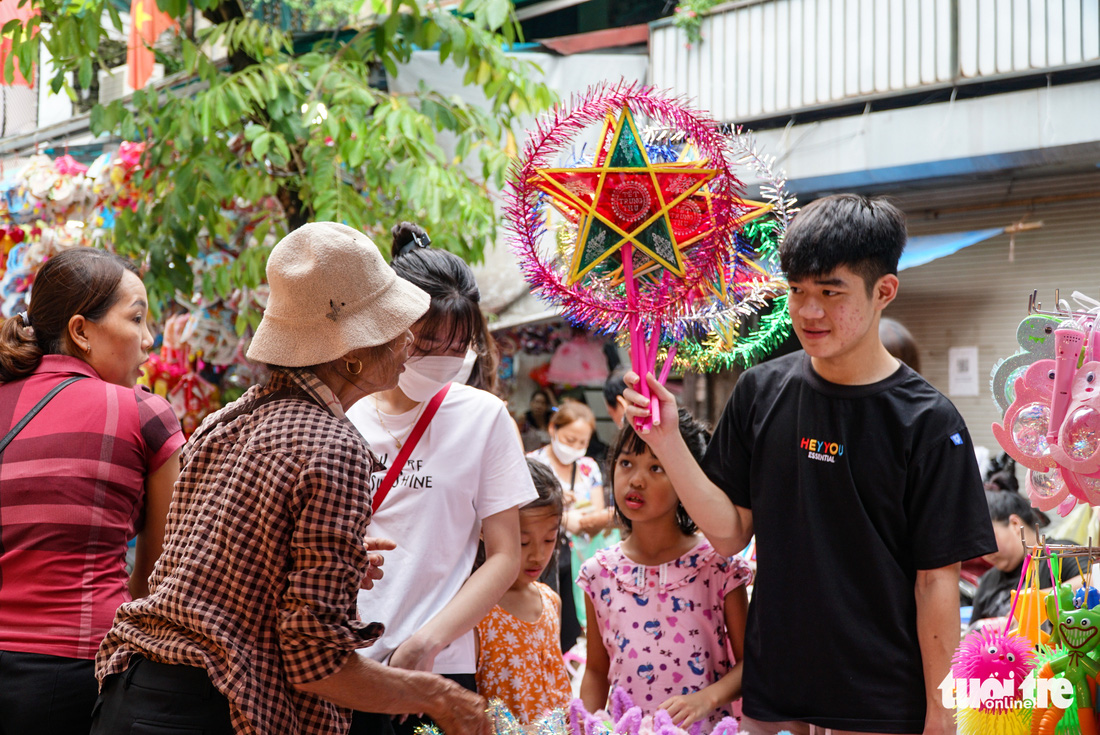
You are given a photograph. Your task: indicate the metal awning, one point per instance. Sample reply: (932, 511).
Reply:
(636, 35)
(924, 249)
(528, 10)
(523, 320)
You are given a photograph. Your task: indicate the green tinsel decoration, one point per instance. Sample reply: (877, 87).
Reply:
(710, 354)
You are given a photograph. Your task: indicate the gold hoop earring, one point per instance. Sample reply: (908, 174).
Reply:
(358, 366)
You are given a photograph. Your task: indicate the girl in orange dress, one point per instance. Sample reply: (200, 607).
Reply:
(520, 659)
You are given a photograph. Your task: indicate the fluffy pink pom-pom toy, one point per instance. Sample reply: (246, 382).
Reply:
(992, 654)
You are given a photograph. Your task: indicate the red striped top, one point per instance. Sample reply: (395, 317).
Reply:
(72, 492)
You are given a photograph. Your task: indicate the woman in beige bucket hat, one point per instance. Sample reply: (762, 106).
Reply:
(250, 624)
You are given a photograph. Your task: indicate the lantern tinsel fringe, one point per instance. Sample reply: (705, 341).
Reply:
(724, 335)
(727, 340)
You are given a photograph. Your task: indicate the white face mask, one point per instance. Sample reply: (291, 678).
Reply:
(565, 455)
(467, 367)
(425, 376)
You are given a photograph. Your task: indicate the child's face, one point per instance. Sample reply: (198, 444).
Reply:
(1010, 552)
(642, 489)
(538, 536)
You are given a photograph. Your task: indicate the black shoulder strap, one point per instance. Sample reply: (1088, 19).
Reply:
(34, 411)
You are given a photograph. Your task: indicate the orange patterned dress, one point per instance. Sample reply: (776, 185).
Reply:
(521, 663)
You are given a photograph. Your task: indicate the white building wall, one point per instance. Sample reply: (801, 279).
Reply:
(763, 58)
(978, 296)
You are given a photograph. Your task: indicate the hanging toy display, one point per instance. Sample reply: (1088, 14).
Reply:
(1068, 724)
(173, 373)
(1077, 630)
(193, 398)
(1035, 337)
(1029, 600)
(52, 205)
(1003, 687)
(113, 176)
(578, 361)
(650, 234)
(1050, 394)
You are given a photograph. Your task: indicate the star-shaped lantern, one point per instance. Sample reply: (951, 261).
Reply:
(624, 198)
(735, 268)
(729, 262)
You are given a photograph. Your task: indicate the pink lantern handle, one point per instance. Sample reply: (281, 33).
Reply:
(668, 364)
(1019, 588)
(643, 349)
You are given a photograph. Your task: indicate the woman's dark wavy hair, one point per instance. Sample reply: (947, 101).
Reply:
(455, 311)
(1003, 504)
(80, 281)
(696, 436)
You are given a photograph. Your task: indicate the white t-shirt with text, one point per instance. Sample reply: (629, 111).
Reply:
(468, 465)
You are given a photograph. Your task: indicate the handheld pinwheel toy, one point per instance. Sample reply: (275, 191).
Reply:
(653, 234)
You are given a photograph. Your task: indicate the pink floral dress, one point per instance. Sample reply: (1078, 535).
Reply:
(664, 627)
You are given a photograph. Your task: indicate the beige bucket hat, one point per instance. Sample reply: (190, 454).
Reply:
(331, 293)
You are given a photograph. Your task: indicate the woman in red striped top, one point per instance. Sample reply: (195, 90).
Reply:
(91, 470)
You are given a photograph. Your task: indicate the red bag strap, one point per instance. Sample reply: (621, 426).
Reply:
(406, 449)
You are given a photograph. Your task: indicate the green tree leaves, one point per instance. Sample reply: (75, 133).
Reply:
(290, 128)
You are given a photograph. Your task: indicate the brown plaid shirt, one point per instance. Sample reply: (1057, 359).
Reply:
(263, 556)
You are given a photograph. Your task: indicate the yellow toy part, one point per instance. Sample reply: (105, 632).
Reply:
(982, 722)
(1031, 614)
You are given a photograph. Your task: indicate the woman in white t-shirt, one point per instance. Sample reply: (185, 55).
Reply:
(465, 478)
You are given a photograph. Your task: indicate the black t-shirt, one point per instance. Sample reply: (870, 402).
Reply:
(852, 490)
(994, 596)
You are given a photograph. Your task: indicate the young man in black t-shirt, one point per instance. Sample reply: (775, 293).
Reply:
(860, 482)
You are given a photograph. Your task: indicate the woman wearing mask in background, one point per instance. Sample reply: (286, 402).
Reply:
(458, 473)
(93, 467)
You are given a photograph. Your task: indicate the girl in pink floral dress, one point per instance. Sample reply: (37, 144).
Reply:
(666, 612)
